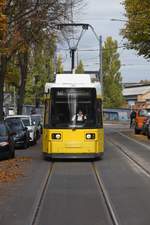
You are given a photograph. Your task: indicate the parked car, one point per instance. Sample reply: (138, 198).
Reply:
(141, 117)
(7, 145)
(37, 120)
(21, 134)
(145, 125)
(32, 129)
(148, 128)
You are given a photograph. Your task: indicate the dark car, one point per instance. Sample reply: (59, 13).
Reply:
(141, 117)
(7, 145)
(148, 128)
(21, 134)
(146, 125)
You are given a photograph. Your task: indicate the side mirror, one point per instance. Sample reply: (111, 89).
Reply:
(34, 123)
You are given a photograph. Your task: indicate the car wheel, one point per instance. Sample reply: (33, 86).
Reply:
(37, 135)
(143, 131)
(25, 146)
(12, 153)
(28, 144)
(136, 131)
(34, 141)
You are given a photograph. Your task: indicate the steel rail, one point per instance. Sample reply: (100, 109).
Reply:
(41, 195)
(132, 159)
(111, 211)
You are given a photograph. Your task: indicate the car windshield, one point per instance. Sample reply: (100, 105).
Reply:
(14, 124)
(148, 112)
(3, 130)
(26, 121)
(73, 107)
(144, 112)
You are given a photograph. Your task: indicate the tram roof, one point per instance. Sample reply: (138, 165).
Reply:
(75, 81)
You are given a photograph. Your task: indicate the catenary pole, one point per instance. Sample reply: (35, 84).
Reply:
(101, 61)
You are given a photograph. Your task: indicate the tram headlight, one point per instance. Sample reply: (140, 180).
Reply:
(56, 136)
(90, 136)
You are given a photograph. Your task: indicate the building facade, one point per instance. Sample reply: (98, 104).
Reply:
(137, 96)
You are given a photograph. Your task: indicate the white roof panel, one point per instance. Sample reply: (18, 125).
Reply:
(74, 81)
(73, 78)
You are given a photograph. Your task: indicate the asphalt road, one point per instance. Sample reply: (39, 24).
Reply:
(114, 190)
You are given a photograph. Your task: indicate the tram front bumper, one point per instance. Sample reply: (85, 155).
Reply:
(73, 156)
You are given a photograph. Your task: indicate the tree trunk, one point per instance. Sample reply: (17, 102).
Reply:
(3, 68)
(23, 64)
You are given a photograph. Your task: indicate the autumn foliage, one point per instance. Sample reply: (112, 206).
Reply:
(3, 26)
(137, 30)
(10, 170)
(24, 24)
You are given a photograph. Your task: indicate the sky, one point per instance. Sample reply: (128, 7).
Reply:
(99, 13)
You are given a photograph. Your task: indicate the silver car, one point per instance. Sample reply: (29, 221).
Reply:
(37, 121)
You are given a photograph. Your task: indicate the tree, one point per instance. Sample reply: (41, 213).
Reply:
(23, 58)
(3, 24)
(41, 70)
(80, 68)
(59, 65)
(3, 62)
(35, 30)
(111, 75)
(137, 29)
(26, 22)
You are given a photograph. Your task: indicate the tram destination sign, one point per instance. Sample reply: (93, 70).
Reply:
(62, 92)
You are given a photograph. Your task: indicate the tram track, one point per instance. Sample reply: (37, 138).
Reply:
(102, 189)
(132, 159)
(41, 195)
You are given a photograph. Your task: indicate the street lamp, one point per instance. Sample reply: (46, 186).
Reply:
(132, 22)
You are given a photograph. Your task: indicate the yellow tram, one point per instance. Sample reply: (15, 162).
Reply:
(73, 121)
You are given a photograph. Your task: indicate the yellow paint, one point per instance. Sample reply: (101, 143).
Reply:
(73, 141)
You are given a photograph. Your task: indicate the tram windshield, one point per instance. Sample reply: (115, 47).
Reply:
(74, 108)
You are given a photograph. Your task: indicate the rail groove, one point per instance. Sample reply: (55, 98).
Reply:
(114, 218)
(124, 152)
(41, 195)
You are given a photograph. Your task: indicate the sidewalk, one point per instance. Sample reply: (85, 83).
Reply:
(138, 137)
(125, 124)
(124, 128)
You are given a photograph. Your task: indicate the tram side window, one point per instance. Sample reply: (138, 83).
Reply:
(47, 112)
(99, 113)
